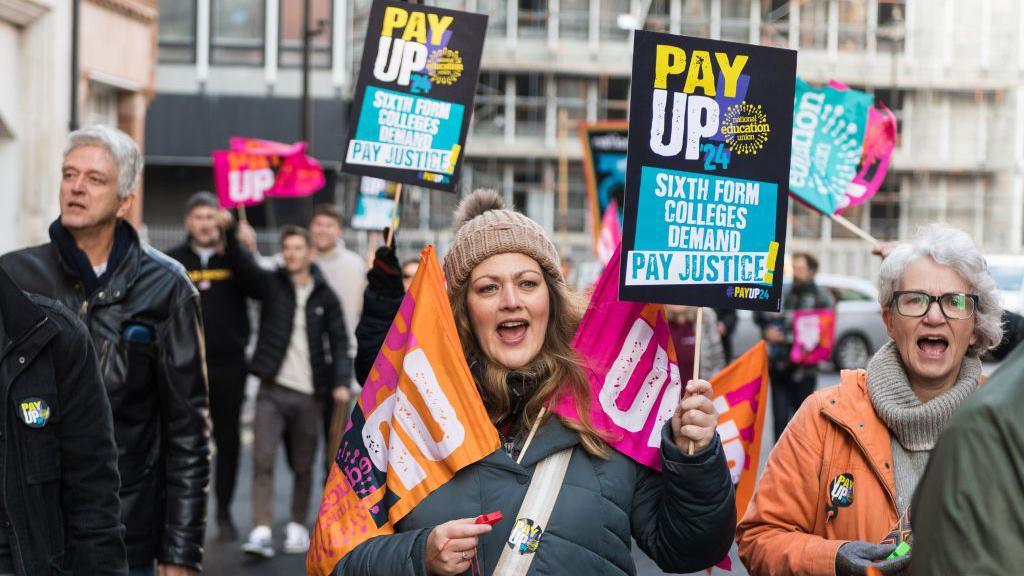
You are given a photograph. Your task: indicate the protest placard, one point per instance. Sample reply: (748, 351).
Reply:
(604, 166)
(414, 96)
(707, 172)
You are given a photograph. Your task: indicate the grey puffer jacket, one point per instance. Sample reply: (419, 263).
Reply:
(684, 518)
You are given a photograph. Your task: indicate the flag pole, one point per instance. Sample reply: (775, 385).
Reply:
(394, 215)
(697, 329)
(533, 430)
(853, 228)
(241, 213)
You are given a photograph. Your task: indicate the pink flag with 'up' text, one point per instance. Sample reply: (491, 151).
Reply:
(253, 169)
(631, 364)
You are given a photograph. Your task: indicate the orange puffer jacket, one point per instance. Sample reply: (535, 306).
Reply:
(787, 528)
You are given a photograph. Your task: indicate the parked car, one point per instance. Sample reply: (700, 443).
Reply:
(859, 328)
(1008, 272)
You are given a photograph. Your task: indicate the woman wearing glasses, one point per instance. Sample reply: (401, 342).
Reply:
(839, 482)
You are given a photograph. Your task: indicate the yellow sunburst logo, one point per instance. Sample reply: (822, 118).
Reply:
(745, 127)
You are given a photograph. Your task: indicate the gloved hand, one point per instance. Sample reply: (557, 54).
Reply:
(853, 559)
(385, 277)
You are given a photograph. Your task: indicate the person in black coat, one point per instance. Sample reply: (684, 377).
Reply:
(144, 318)
(225, 278)
(58, 500)
(302, 361)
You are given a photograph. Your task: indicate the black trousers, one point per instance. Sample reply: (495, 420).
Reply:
(789, 390)
(227, 374)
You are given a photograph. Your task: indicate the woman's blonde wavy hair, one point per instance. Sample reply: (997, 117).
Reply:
(557, 365)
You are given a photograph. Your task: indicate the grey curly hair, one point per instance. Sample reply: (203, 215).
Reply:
(953, 248)
(122, 149)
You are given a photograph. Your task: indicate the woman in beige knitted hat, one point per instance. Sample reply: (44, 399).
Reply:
(516, 319)
(835, 495)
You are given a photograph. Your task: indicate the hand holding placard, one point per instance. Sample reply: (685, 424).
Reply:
(695, 419)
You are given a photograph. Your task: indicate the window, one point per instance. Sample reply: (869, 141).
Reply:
(854, 214)
(531, 104)
(736, 20)
(659, 17)
(357, 29)
(177, 30)
(697, 18)
(528, 182)
(290, 47)
(884, 210)
(843, 294)
(533, 18)
(497, 12)
(610, 12)
(236, 31)
(814, 24)
(574, 19)
(806, 221)
(612, 98)
(775, 16)
(571, 96)
(891, 25)
(489, 117)
(577, 215)
(853, 25)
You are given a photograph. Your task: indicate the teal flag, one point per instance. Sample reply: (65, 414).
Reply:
(828, 139)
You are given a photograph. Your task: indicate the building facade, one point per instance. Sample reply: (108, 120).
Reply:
(950, 70)
(36, 110)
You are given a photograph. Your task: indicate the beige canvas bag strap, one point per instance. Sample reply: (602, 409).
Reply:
(533, 516)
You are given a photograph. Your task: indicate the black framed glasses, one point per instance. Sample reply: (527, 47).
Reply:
(954, 305)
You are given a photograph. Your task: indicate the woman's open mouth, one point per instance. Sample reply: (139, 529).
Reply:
(933, 347)
(512, 332)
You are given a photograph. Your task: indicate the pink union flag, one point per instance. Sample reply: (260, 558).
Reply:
(631, 364)
(254, 169)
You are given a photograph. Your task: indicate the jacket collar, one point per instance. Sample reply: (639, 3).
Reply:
(550, 438)
(849, 406)
(123, 265)
(314, 272)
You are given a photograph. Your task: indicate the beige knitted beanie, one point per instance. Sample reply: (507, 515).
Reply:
(483, 228)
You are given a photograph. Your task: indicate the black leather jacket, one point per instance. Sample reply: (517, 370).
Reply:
(146, 325)
(60, 482)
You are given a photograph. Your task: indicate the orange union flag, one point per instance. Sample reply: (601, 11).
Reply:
(741, 396)
(418, 421)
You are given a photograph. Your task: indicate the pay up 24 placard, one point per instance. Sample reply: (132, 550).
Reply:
(414, 96)
(707, 172)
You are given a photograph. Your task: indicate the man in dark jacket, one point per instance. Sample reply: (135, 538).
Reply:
(225, 277)
(143, 314)
(58, 500)
(968, 510)
(302, 358)
(791, 383)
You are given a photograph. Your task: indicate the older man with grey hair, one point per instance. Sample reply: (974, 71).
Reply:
(144, 317)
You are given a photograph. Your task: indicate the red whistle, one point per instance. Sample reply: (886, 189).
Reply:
(491, 519)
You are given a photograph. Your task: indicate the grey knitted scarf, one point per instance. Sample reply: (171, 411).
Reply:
(914, 424)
